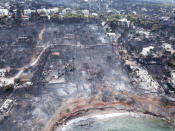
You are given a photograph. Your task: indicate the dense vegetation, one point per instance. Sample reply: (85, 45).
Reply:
(138, 21)
(71, 17)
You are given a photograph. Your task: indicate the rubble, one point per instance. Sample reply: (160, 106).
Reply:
(7, 104)
(141, 79)
(5, 108)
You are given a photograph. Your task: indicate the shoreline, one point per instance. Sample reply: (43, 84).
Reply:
(63, 116)
(104, 115)
(107, 113)
(152, 101)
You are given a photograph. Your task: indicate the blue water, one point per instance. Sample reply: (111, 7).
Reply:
(124, 123)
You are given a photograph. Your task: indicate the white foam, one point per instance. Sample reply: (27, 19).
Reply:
(98, 117)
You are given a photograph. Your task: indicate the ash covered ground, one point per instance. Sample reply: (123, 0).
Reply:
(55, 67)
(81, 62)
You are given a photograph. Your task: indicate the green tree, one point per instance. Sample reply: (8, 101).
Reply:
(114, 18)
(56, 17)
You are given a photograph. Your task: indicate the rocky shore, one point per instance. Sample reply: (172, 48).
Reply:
(162, 107)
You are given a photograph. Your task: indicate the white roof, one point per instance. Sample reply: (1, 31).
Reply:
(143, 32)
(3, 70)
(3, 12)
(94, 14)
(167, 46)
(146, 50)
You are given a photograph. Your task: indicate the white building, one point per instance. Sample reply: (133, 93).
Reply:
(167, 47)
(85, 12)
(144, 9)
(46, 11)
(6, 105)
(94, 14)
(173, 77)
(124, 22)
(2, 72)
(165, 18)
(145, 51)
(28, 11)
(65, 11)
(29, 83)
(4, 12)
(54, 10)
(134, 13)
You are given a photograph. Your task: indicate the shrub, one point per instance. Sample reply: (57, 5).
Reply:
(155, 27)
(56, 17)
(133, 18)
(114, 18)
